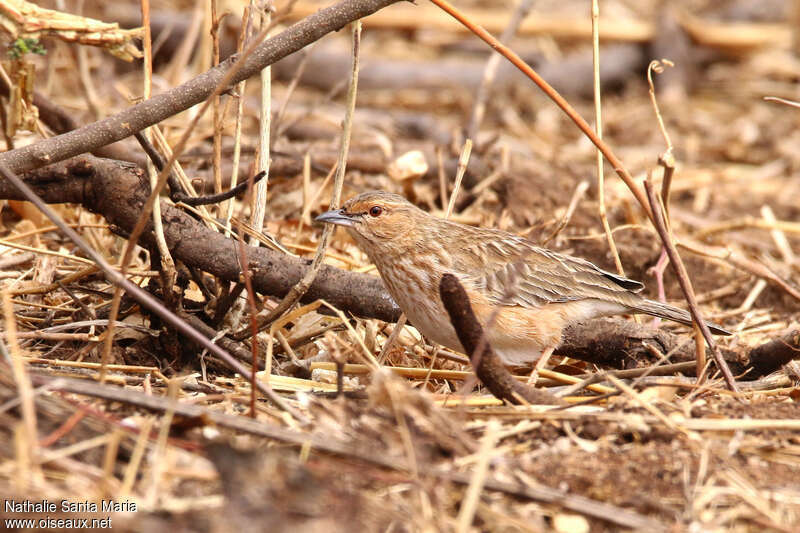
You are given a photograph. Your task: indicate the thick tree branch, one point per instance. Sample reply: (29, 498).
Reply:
(117, 191)
(485, 361)
(194, 91)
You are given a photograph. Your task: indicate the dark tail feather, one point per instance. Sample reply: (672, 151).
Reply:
(651, 307)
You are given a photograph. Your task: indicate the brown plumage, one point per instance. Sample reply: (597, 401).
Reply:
(523, 294)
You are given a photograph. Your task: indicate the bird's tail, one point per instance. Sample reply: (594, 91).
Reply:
(651, 307)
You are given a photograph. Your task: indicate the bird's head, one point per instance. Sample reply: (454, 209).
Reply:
(376, 218)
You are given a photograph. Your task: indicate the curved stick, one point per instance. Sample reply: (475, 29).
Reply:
(486, 363)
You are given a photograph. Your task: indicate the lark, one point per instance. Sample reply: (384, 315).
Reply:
(523, 295)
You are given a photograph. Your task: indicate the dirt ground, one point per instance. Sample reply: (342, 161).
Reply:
(426, 447)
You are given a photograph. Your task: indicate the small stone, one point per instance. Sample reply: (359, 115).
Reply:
(570, 523)
(411, 165)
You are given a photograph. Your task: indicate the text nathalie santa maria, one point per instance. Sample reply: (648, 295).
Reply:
(67, 506)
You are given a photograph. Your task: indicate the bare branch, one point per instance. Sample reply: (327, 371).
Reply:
(486, 363)
(194, 91)
(117, 191)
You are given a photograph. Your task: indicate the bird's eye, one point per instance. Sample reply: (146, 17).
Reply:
(375, 211)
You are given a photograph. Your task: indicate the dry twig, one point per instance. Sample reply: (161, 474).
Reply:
(683, 279)
(486, 363)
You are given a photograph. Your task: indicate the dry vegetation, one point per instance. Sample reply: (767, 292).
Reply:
(153, 418)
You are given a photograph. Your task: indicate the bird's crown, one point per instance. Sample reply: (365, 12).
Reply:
(367, 200)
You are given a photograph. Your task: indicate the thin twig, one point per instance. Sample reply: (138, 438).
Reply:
(176, 188)
(221, 197)
(469, 504)
(778, 236)
(683, 280)
(20, 372)
(159, 451)
(667, 162)
(167, 264)
(299, 289)
(258, 207)
(577, 195)
(740, 261)
(463, 160)
(259, 196)
(216, 160)
(237, 133)
(298, 74)
(666, 159)
(598, 118)
(183, 182)
(251, 301)
(176, 191)
(85, 78)
(393, 336)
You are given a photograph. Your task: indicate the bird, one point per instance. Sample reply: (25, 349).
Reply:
(523, 295)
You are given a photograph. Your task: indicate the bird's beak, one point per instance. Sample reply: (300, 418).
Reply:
(336, 216)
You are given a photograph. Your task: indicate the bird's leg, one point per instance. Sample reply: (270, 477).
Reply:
(541, 363)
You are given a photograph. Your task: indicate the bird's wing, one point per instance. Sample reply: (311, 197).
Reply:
(530, 276)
